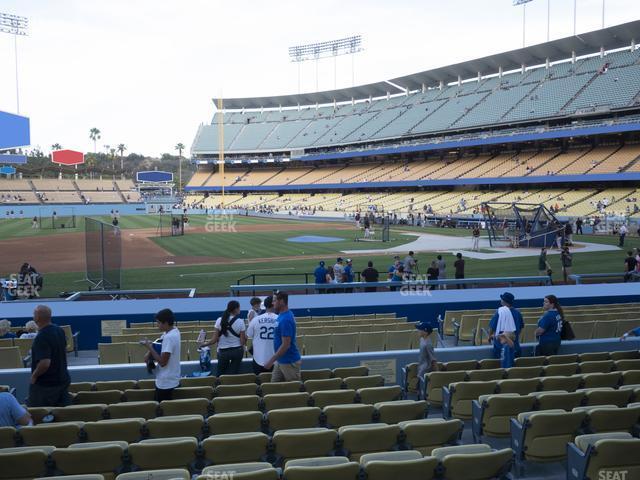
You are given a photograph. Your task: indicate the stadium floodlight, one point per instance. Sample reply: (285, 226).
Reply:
(524, 15)
(333, 48)
(14, 25)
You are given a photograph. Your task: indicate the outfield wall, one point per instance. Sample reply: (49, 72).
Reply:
(86, 316)
(30, 211)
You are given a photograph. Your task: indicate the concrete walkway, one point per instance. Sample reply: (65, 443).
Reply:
(428, 242)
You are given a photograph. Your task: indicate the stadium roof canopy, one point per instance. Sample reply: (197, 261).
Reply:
(611, 38)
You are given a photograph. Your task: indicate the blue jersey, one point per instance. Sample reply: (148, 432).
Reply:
(636, 331)
(320, 273)
(348, 273)
(551, 322)
(286, 327)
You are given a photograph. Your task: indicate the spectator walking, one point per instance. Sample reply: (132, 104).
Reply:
(501, 323)
(567, 261)
(427, 361)
(165, 354)
(49, 375)
(476, 238)
(370, 274)
(12, 414)
(286, 358)
(549, 327)
(623, 233)
(459, 266)
(261, 330)
(229, 334)
(442, 271)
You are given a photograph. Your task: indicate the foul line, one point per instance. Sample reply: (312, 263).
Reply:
(213, 274)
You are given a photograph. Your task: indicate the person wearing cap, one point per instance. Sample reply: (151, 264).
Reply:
(320, 275)
(394, 266)
(260, 331)
(427, 361)
(410, 264)
(338, 271)
(506, 320)
(168, 358)
(348, 274)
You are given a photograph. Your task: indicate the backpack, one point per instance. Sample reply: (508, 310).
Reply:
(566, 333)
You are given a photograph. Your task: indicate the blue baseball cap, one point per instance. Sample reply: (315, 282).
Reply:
(424, 326)
(322, 263)
(508, 297)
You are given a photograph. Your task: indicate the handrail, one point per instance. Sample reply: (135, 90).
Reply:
(418, 285)
(577, 277)
(117, 294)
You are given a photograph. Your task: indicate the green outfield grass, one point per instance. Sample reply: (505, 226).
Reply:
(260, 247)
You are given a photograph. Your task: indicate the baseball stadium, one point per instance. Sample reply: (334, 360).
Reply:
(474, 190)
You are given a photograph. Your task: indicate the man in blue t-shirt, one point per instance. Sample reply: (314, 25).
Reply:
(320, 275)
(12, 414)
(506, 299)
(286, 359)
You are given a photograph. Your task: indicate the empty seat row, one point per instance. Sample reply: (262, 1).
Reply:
(185, 422)
(208, 392)
(374, 341)
(492, 413)
(542, 436)
(213, 381)
(106, 458)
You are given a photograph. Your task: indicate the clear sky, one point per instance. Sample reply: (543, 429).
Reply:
(144, 71)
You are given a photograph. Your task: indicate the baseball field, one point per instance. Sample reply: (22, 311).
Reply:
(216, 252)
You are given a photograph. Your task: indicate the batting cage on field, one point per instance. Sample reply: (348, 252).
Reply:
(60, 217)
(520, 224)
(171, 224)
(103, 249)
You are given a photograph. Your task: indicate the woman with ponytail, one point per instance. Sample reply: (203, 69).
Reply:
(229, 334)
(549, 327)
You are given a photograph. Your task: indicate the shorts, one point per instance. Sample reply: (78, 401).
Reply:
(286, 372)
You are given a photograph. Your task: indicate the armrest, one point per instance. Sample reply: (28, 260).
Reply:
(75, 342)
(576, 462)
(477, 412)
(446, 402)
(517, 438)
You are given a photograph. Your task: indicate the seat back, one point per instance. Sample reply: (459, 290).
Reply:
(113, 353)
(344, 342)
(10, 357)
(317, 344)
(371, 341)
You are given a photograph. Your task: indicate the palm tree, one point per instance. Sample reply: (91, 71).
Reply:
(56, 146)
(179, 147)
(121, 148)
(113, 151)
(94, 134)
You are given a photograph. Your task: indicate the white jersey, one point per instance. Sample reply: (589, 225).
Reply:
(260, 331)
(169, 376)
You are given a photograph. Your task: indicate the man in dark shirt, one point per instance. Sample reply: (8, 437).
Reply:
(320, 276)
(370, 274)
(629, 266)
(49, 375)
(459, 266)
